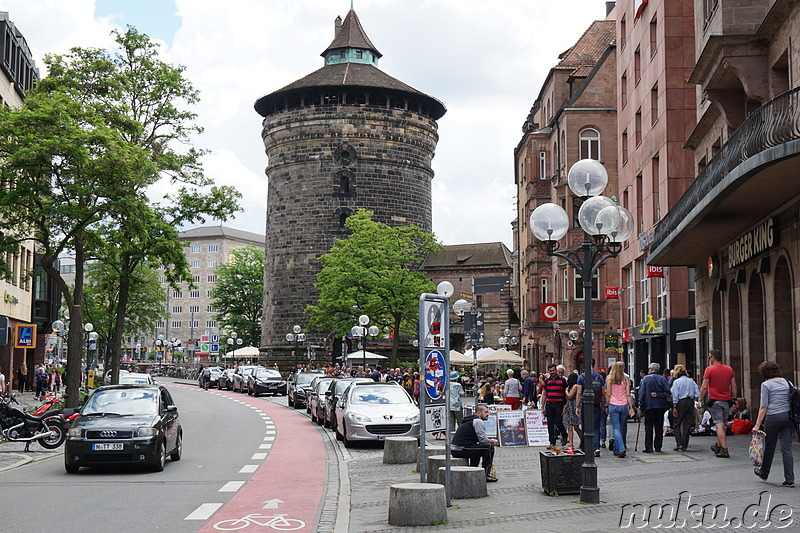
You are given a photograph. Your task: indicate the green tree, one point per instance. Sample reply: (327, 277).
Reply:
(147, 101)
(374, 271)
(239, 294)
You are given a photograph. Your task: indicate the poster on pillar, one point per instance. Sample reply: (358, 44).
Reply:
(432, 315)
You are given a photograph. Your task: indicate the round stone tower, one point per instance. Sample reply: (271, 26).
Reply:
(346, 136)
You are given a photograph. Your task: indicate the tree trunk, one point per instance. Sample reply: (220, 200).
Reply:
(75, 338)
(119, 318)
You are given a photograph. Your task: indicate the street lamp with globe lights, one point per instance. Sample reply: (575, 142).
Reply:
(361, 331)
(297, 336)
(606, 226)
(506, 340)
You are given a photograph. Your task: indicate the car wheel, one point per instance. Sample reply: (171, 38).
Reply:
(291, 403)
(319, 420)
(255, 393)
(313, 416)
(178, 451)
(69, 467)
(249, 392)
(339, 436)
(161, 457)
(325, 422)
(347, 443)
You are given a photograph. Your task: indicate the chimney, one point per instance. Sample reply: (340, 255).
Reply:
(610, 7)
(337, 27)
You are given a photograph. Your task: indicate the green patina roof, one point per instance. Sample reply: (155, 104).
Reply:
(351, 35)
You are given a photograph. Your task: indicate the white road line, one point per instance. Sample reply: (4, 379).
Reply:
(264, 446)
(257, 456)
(270, 432)
(248, 469)
(204, 512)
(231, 486)
(269, 439)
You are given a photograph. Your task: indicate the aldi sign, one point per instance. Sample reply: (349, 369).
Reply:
(25, 336)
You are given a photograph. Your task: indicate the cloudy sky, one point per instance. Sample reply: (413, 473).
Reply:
(485, 60)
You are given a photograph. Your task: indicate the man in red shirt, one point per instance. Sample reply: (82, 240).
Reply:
(719, 387)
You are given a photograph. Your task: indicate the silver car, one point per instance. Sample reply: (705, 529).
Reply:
(374, 411)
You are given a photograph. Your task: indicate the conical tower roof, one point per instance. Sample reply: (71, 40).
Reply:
(351, 35)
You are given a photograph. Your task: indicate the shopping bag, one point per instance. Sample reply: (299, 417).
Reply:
(757, 448)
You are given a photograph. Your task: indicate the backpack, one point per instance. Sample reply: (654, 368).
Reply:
(794, 404)
(597, 387)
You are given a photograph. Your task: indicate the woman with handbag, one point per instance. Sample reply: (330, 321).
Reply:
(773, 413)
(684, 393)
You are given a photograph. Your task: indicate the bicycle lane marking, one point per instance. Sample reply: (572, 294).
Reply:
(293, 472)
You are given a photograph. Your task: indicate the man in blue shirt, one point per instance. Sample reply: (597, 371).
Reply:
(598, 387)
(652, 399)
(528, 387)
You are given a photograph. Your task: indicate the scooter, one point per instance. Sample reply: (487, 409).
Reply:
(49, 430)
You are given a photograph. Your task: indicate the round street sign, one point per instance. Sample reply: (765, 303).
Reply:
(435, 370)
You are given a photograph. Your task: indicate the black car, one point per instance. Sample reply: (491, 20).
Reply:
(225, 380)
(317, 397)
(265, 381)
(299, 386)
(332, 395)
(125, 424)
(240, 377)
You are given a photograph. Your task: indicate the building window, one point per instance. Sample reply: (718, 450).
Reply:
(212, 263)
(542, 165)
(177, 295)
(639, 194)
(176, 324)
(630, 295)
(162, 279)
(195, 249)
(662, 296)
(210, 324)
(691, 291)
(595, 287)
(196, 279)
(194, 294)
(544, 295)
(194, 308)
(654, 105)
(624, 147)
(208, 293)
(623, 32)
(213, 248)
(589, 142)
(194, 323)
(194, 264)
(656, 178)
(637, 67)
(576, 207)
(638, 124)
(623, 90)
(212, 278)
(644, 289)
(160, 324)
(209, 308)
(653, 37)
(565, 285)
(177, 309)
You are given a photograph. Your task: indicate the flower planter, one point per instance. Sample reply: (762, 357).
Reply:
(561, 474)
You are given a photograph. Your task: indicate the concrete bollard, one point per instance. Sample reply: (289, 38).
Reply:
(435, 461)
(430, 450)
(465, 481)
(417, 504)
(400, 450)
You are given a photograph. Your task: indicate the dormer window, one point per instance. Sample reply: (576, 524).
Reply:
(359, 54)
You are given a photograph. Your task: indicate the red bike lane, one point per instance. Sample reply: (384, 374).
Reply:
(293, 472)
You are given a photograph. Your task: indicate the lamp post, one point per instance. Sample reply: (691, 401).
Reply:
(234, 339)
(161, 345)
(297, 336)
(606, 226)
(362, 331)
(506, 339)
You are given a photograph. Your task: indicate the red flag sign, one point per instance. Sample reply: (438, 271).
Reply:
(549, 312)
(655, 271)
(612, 293)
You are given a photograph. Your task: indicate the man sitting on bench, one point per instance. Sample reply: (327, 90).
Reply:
(471, 442)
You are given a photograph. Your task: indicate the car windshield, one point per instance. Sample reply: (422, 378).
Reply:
(379, 395)
(322, 385)
(341, 386)
(124, 380)
(266, 374)
(122, 402)
(305, 379)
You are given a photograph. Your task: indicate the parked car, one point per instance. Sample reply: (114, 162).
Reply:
(265, 381)
(239, 381)
(317, 397)
(332, 396)
(374, 411)
(140, 378)
(298, 388)
(125, 424)
(216, 372)
(225, 380)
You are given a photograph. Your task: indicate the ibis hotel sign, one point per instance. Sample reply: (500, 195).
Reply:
(755, 242)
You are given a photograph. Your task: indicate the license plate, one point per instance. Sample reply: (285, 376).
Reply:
(107, 446)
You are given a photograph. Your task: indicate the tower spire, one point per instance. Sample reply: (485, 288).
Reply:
(351, 5)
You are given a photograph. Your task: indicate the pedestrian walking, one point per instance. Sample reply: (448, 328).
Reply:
(456, 406)
(555, 399)
(22, 377)
(717, 392)
(54, 380)
(653, 403)
(471, 441)
(571, 418)
(512, 390)
(598, 388)
(2, 383)
(774, 415)
(684, 393)
(40, 382)
(528, 387)
(620, 405)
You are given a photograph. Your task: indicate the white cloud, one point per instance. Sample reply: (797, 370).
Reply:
(485, 61)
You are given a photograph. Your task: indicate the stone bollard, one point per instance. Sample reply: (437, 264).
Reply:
(465, 481)
(417, 504)
(435, 461)
(430, 450)
(400, 450)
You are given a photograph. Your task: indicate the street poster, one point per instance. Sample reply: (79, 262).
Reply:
(536, 428)
(512, 428)
(435, 374)
(435, 418)
(432, 330)
(490, 424)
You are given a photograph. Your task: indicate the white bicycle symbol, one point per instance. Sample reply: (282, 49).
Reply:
(278, 522)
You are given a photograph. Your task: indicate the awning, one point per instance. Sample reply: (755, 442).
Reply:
(689, 335)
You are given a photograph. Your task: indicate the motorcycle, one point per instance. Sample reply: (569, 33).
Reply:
(51, 407)
(50, 430)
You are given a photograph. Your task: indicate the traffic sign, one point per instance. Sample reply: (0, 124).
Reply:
(214, 348)
(215, 338)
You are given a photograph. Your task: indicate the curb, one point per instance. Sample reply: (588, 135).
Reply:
(24, 459)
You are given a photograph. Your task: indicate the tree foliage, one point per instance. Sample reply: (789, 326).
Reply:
(239, 294)
(374, 271)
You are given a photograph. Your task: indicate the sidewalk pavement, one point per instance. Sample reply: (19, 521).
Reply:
(517, 500)
(13, 454)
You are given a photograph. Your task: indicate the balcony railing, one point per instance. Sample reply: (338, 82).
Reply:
(772, 124)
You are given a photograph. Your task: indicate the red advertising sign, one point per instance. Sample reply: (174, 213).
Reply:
(549, 312)
(626, 335)
(655, 271)
(612, 293)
